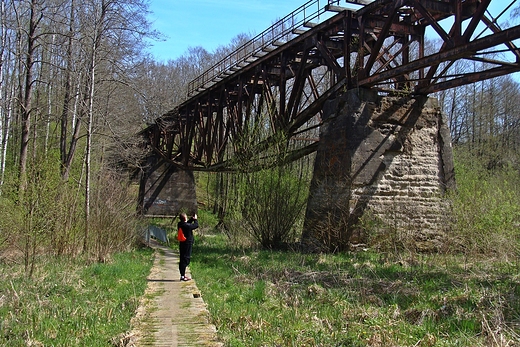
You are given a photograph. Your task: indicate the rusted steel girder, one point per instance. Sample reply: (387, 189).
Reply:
(252, 109)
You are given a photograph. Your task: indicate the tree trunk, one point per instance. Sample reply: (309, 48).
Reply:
(4, 125)
(98, 32)
(88, 151)
(66, 159)
(25, 103)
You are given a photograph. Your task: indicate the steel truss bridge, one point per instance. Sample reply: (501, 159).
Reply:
(262, 105)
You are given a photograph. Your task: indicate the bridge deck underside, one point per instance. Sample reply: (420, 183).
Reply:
(267, 109)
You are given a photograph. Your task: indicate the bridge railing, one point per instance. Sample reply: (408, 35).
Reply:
(279, 33)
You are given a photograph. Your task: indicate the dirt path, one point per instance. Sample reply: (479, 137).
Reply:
(172, 312)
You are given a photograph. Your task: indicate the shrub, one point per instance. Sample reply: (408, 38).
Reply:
(273, 206)
(48, 217)
(487, 209)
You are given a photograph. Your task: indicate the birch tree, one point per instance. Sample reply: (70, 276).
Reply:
(112, 32)
(4, 92)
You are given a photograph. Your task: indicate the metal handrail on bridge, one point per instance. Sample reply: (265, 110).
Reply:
(279, 33)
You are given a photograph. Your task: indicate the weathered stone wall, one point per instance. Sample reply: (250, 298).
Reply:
(166, 190)
(387, 156)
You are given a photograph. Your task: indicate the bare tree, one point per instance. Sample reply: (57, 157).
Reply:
(67, 156)
(25, 98)
(5, 91)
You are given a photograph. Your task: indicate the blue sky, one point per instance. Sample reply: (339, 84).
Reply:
(213, 23)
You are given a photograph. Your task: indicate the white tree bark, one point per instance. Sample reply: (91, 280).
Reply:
(3, 105)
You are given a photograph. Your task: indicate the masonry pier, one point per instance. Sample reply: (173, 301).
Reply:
(166, 190)
(383, 160)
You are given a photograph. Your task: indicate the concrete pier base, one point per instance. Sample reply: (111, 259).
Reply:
(384, 159)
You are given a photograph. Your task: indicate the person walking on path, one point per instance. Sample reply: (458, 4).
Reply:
(185, 247)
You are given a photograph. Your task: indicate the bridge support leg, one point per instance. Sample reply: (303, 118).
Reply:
(166, 190)
(383, 161)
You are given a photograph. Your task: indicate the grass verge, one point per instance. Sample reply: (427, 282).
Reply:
(267, 298)
(69, 304)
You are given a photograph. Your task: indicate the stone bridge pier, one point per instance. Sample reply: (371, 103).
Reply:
(383, 161)
(166, 190)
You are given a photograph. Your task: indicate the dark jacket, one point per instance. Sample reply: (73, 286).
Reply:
(187, 228)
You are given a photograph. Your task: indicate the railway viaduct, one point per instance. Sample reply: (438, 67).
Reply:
(353, 78)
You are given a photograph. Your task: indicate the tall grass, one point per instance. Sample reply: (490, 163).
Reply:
(274, 298)
(67, 303)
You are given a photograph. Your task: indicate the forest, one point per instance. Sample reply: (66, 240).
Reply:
(77, 83)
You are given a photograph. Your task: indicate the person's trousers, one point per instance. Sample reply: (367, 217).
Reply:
(185, 256)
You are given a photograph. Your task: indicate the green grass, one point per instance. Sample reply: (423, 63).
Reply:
(67, 303)
(268, 298)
